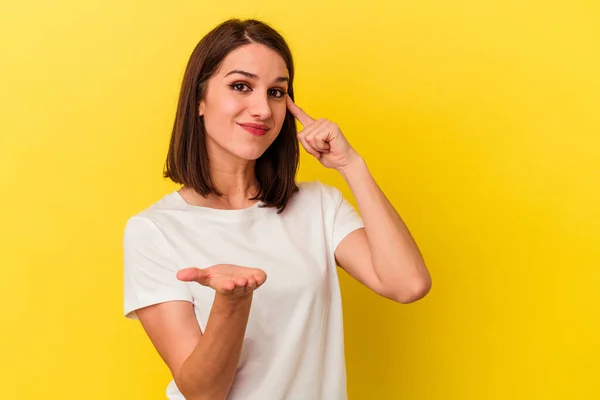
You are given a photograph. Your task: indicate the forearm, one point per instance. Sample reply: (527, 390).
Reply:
(396, 258)
(209, 371)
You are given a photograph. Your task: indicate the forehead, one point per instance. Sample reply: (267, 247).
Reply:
(257, 59)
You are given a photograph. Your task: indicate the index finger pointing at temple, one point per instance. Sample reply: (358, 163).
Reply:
(297, 112)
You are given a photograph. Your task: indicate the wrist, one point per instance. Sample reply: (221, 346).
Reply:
(231, 304)
(354, 166)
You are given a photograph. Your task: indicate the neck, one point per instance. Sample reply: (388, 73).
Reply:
(233, 177)
(236, 183)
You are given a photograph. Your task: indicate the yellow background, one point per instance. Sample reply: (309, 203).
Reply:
(479, 119)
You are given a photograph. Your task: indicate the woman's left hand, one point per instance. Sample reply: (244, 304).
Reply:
(323, 139)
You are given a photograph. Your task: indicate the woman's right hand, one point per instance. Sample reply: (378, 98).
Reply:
(226, 279)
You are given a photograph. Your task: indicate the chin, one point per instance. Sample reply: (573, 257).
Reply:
(250, 153)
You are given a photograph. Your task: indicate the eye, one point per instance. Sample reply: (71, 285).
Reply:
(277, 93)
(240, 87)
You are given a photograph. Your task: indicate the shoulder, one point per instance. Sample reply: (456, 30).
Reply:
(313, 193)
(318, 188)
(147, 220)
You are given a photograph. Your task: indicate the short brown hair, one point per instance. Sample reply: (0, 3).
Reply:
(187, 159)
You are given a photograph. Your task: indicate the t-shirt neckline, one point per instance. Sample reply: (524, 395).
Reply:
(218, 212)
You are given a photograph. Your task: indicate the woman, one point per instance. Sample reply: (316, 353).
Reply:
(194, 259)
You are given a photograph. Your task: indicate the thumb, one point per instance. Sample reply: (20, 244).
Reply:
(191, 275)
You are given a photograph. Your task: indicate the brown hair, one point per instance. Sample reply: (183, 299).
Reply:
(187, 159)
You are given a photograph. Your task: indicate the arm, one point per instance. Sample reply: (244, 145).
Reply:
(203, 365)
(383, 255)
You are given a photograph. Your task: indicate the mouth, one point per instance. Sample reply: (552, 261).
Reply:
(255, 129)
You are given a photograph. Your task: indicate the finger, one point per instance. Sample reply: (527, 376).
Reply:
(307, 136)
(297, 112)
(325, 136)
(319, 141)
(239, 290)
(240, 281)
(192, 275)
(250, 286)
(228, 287)
(308, 147)
(313, 142)
(316, 128)
(260, 279)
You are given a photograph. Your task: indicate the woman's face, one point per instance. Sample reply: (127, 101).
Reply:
(245, 103)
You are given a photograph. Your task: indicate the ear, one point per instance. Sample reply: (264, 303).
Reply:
(201, 108)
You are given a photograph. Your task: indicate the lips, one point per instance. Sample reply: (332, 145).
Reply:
(255, 129)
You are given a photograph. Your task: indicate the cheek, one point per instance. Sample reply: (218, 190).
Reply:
(279, 111)
(219, 110)
(224, 106)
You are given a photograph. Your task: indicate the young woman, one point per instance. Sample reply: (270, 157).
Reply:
(233, 276)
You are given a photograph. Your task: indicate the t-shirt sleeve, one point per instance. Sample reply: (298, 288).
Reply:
(346, 219)
(149, 268)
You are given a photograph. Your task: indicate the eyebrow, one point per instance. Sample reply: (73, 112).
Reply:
(250, 75)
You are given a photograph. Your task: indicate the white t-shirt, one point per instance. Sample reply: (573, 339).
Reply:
(294, 346)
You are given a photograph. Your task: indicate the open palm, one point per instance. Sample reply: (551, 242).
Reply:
(226, 279)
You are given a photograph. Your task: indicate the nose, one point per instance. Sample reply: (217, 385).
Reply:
(259, 106)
